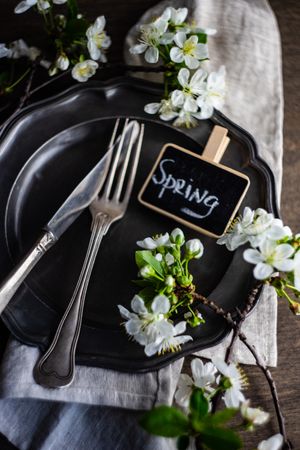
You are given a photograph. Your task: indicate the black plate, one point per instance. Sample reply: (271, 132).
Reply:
(45, 181)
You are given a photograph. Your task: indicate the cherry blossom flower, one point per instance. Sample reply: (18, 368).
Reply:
(253, 416)
(150, 243)
(233, 381)
(203, 376)
(152, 35)
(62, 62)
(273, 443)
(270, 258)
(84, 70)
(188, 50)
(186, 98)
(98, 39)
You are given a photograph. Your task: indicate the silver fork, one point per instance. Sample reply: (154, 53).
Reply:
(56, 368)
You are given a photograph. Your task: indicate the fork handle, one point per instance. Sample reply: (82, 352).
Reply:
(56, 368)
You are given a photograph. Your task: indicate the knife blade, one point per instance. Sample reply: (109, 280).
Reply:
(79, 199)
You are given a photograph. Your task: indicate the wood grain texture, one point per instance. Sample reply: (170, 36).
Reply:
(121, 16)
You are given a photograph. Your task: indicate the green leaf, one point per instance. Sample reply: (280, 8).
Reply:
(223, 416)
(198, 404)
(202, 38)
(147, 294)
(165, 421)
(183, 442)
(220, 438)
(143, 257)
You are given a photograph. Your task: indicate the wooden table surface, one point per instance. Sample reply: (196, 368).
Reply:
(121, 16)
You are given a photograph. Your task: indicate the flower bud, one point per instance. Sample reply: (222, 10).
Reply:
(147, 272)
(62, 62)
(169, 259)
(177, 236)
(169, 281)
(295, 308)
(184, 281)
(52, 71)
(194, 248)
(61, 21)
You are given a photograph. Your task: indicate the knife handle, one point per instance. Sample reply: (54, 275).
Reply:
(20, 272)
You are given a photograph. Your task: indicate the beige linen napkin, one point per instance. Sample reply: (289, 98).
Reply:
(248, 43)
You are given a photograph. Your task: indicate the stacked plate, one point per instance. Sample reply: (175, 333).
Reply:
(44, 152)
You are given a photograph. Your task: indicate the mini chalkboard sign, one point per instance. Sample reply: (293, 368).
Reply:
(196, 190)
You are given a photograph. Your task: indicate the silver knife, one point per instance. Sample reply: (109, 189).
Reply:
(81, 197)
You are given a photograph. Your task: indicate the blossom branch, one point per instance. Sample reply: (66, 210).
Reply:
(258, 359)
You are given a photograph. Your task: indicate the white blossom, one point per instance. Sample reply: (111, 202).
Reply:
(203, 377)
(98, 39)
(169, 259)
(254, 226)
(269, 258)
(24, 5)
(235, 380)
(186, 98)
(150, 243)
(142, 323)
(213, 93)
(253, 416)
(82, 71)
(188, 50)
(273, 443)
(19, 49)
(187, 119)
(151, 37)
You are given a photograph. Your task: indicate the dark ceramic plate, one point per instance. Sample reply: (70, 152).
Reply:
(55, 161)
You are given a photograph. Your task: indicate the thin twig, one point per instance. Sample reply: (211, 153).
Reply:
(259, 361)
(27, 91)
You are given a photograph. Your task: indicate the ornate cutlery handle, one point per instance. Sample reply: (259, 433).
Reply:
(20, 272)
(56, 368)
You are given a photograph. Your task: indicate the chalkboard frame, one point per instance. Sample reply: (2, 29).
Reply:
(178, 218)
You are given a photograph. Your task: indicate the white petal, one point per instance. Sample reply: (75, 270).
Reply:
(160, 304)
(253, 256)
(152, 55)
(138, 305)
(180, 327)
(152, 348)
(183, 77)
(137, 49)
(191, 62)
(100, 23)
(133, 326)
(285, 265)
(148, 243)
(124, 312)
(190, 104)
(262, 271)
(152, 108)
(181, 14)
(166, 38)
(283, 251)
(273, 443)
(177, 98)
(23, 6)
(180, 38)
(201, 51)
(93, 49)
(176, 54)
